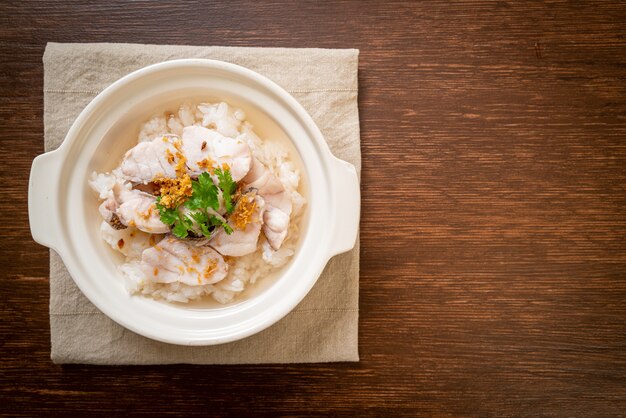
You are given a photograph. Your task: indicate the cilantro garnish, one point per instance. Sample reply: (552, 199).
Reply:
(168, 216)
(228, 187)
(181, 224)
(180, 230)
(199, 214)
(204, 194)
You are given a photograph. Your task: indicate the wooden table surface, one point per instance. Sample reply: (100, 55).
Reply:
(493, 231)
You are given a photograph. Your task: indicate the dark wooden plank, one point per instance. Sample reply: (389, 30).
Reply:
(494, 225)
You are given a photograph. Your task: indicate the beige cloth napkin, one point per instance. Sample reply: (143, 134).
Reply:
(324, 326)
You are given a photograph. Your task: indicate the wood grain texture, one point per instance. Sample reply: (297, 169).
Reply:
(493, 232)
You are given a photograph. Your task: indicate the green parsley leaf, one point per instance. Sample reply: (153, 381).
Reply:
(205, 180)
(185, 221)
(204, 193)
(205, 230)
(168, 216)
(180, 230)
(228, 187)
(215, 221)
(199, 216)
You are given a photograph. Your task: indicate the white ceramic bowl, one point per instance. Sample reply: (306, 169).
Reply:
(63, 210)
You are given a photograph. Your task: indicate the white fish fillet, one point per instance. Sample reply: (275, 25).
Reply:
(158, 158)
(278, 203)
(147, 161)
(173, 260)
(137, 208)
(201, 143)
(240, 242)
(130, 241)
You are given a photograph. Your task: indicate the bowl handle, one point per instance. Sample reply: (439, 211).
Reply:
(347, 206)
(43, 199)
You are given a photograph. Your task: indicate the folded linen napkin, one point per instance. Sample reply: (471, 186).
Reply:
(324, 326)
